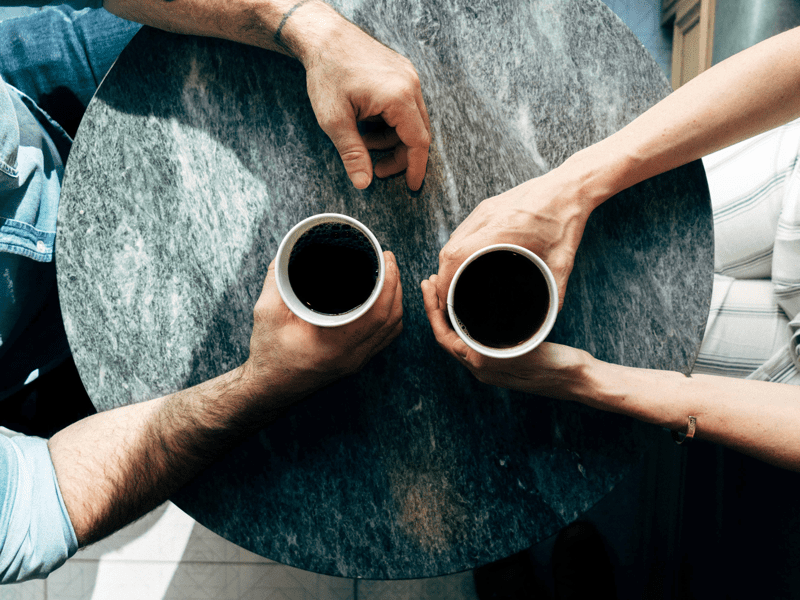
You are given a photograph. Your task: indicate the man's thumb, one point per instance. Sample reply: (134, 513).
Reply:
(355, 156)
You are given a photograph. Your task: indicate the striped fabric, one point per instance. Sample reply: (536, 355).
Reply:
(753, 328)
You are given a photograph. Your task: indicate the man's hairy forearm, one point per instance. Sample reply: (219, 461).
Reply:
(303, 24)
(115, 466)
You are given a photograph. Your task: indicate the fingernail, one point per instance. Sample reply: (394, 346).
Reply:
(360, 180)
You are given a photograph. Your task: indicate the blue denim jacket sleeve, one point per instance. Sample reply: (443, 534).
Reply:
(36, 534)
(30, 180)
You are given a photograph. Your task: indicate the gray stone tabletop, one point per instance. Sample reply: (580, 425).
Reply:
(196, 156)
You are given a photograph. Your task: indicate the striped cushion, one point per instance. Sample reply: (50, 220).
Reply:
(754, 325)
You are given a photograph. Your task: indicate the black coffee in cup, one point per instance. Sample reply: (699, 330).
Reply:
(501, 299)
(333, 268)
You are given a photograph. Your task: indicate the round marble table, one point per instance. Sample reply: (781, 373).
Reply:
(195, 158)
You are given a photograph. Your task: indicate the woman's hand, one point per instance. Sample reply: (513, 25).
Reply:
(550, 370)
(546, 215)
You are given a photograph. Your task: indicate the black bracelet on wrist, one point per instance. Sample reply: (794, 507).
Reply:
(277, 36)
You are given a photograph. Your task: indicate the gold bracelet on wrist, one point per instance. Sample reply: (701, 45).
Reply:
(681, 437)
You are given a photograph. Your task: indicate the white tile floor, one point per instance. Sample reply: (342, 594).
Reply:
(166, 555)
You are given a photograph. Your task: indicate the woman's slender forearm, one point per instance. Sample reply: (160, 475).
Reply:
(758, 418)
(747, 94)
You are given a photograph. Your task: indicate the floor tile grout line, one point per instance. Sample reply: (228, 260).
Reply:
(76, 559)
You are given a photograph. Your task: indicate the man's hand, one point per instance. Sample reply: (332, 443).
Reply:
(351, 78)
(114, 466)
(294, 358)
(546, 215)
(550, 370)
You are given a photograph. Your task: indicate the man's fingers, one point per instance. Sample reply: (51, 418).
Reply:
(390, 337)
(414, 131)
(269, 286)
(381, 139)
(394, 324)
(423, 110)
(353, 152)
(388, 311)
(394, 163)
(417, 164)
(271, 271)
(270, 306)
(386, 307)
(417, 155)
(397, 308)
(393, 278)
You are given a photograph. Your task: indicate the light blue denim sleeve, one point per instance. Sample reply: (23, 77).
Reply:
(36, 534)
(76, 4)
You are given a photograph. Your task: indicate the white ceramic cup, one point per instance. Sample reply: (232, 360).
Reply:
(282, 272)
(538, 335)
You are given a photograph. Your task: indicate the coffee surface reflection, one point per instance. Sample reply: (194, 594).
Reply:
(333, 268)
(501, 299)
